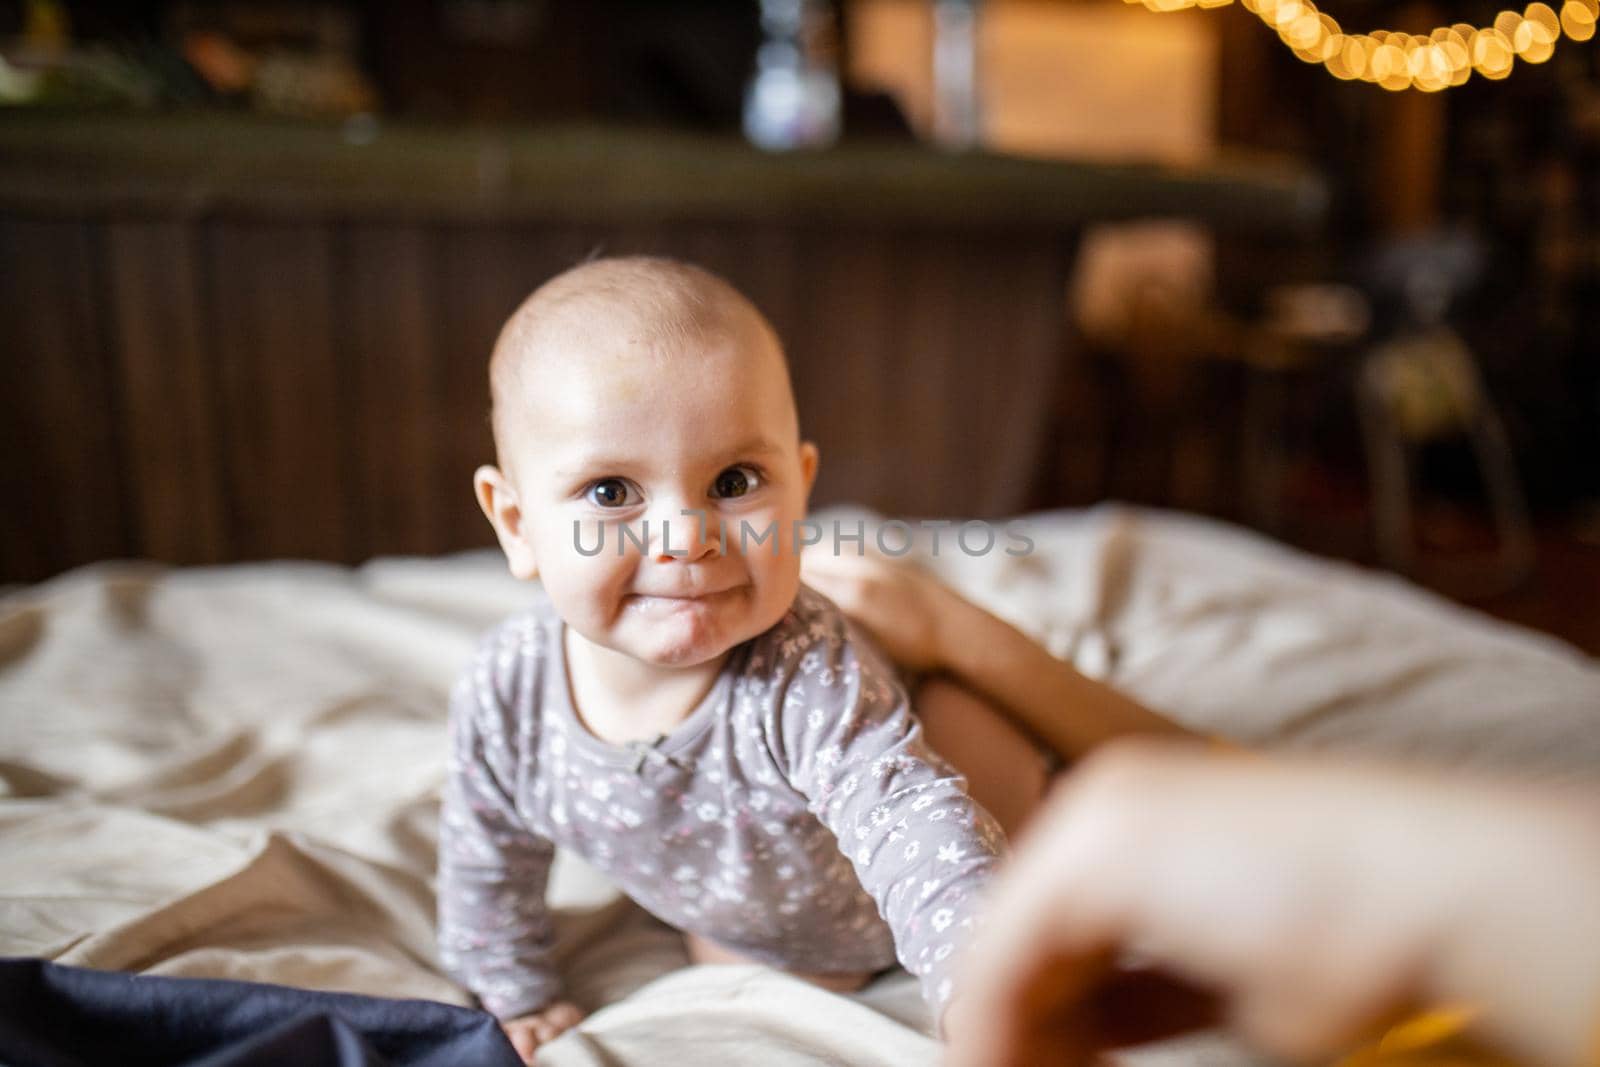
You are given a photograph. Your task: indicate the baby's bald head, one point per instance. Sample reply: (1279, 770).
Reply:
(625, 313)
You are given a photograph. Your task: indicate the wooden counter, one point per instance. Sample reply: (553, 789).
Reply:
(224, 338)
(198, 164)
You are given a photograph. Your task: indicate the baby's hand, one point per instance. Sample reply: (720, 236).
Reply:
(528, 1032)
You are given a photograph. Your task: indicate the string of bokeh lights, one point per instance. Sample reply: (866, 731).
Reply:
(1445, 58)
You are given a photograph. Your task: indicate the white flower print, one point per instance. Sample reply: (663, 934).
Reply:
(756, 855)
(944, 990)
(943, 952)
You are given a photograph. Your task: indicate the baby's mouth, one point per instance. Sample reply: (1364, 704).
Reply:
(666, 599)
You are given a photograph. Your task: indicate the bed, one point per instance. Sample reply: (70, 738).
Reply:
(233, 771)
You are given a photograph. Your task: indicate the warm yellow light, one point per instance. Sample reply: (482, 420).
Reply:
(1541, 15)
(1498, 59)
(1304, 32)
(1537, 52)
(1337, 64)
(1389, 66)
(1431, 69)
(1492, 56)
(1280, 14)
(1534, 40)
(1331, 41)
(1455, 53)
(1353, 58)
(1446, 57)
(1576, 21)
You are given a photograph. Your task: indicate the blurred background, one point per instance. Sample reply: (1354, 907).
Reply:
(1319, 270)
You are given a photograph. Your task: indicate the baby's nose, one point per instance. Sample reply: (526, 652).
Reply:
(689, 537)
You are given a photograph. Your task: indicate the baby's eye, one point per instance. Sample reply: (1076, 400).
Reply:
(735, 481)
(609, 493)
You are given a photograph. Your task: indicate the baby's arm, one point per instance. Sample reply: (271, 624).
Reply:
(494, 928)
(919, 844)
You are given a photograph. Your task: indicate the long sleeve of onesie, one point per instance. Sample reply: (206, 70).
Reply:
(922, 848)
(495, 931)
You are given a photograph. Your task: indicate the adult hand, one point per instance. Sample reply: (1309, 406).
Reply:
(905, 609)
(1316, 902)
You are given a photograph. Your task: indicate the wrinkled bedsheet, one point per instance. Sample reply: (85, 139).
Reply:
(233, 772)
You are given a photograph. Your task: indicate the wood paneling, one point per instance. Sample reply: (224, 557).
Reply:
(233, 387)
(395, 418)
(62, 476)
(283, 398)
(164, 368)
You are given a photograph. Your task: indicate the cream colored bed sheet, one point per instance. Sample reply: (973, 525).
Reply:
(233, 772)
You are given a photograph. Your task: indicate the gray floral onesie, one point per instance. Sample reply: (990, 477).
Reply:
(796, 816)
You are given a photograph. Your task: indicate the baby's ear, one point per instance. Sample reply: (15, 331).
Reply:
(809, 458)
(498, 499)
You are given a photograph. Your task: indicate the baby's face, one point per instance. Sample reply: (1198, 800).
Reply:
(629, 438)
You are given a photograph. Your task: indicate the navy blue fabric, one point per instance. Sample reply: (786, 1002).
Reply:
(55, 1016)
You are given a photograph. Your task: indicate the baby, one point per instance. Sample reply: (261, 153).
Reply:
(676, 707)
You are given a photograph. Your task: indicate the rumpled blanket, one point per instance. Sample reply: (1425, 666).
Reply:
(233, 772)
